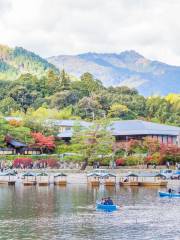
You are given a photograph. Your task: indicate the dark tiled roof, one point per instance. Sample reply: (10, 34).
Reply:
(16, 143)
(68, 123)
(138, 127)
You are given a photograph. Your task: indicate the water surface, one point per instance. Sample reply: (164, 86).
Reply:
(69, 213)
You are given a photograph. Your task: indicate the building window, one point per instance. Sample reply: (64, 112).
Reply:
(165, 139)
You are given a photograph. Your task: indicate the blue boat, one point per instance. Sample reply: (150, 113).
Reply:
(171, 195)
(107, 208)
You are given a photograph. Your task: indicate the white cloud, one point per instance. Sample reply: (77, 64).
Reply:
(52, 27)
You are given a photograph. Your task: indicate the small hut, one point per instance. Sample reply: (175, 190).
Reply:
(129, 180)
(60, 179)
(8, 178)
(42, 179)
(157, 179)
(109, 179)
(29, 179)
(93, 179)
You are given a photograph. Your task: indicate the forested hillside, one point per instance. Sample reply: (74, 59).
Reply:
(17, 61)
(31, 86)
(58, 96)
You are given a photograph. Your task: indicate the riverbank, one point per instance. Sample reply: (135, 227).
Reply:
(76, 176)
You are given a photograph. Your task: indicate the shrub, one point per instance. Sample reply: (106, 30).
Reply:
(24, 162)
(133, 160)
(52, 163)
(120, 153)
(155, 158)
(73, 158)
(120, 162)
(171, 158)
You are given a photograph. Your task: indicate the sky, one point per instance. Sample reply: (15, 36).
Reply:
(54, 27)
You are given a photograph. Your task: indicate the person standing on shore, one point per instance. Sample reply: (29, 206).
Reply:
(167, 164)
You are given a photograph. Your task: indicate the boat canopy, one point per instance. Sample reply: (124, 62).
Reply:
(9, 173)
(42, 174)
(93, 175)
(108, 175)
(132, 175)
(29, 174)
(60, 175)
(146, 175)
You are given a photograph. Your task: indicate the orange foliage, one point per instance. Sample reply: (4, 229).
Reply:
(43, 141)
(15, 123)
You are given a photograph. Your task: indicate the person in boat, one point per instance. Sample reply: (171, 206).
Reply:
(105, 201)
(109, 201)
(102, 200)
(126, 179)
(170, 190)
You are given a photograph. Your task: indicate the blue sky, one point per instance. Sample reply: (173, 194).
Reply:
(53, 27)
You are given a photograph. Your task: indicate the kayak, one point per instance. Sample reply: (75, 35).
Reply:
(108, 208)
(166, 194)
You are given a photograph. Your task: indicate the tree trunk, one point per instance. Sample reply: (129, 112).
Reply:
(85, 163)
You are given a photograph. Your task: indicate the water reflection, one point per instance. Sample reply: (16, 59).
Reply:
(55, 212)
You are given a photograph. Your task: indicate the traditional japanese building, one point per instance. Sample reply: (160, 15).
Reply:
(14, 146)
(124, 130)
(138, 129)
(65, 127)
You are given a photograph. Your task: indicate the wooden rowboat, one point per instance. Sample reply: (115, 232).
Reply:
(129, 183)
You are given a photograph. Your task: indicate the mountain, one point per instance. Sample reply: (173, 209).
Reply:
(15, 61)
(126, 68)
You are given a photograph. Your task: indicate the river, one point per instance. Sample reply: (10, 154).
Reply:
(69, 213)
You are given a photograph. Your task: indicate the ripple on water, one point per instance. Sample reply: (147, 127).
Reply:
(70, 214)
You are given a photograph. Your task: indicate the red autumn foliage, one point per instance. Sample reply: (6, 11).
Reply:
(52, 163)
(148, 159)
(127, 145)
(151, 144)
(43, 141)
(120, 162)
(22, 162)
(169, 149)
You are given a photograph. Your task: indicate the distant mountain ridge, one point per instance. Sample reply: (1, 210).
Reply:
(126, 68)
(16, 61)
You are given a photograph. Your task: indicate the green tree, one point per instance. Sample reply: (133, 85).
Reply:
(20, 132)
(95, 142)
(23, 97)
(90, 84)
(89, 107)
(118, 110)
(63, 99)
(65, 82)
(8, 105)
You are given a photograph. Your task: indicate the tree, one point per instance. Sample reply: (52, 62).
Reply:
(91, 84)
(23, 96)
(151, 145)
(35, 120)
(8, 105)
(89, 107)
(53, 81)
(63, 99)
(65, 83)
(20, 133)
(44, 142)
(118, 110)
(159, 108)
(92, 143)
